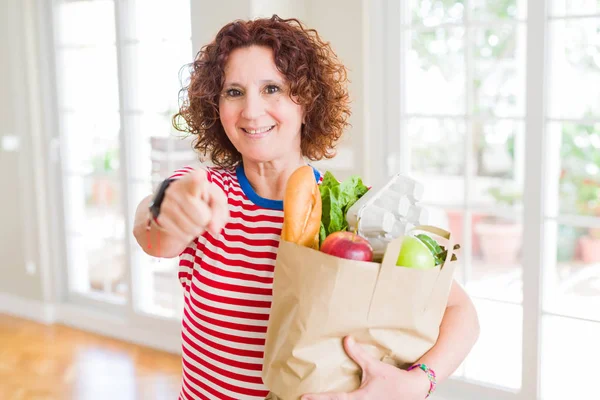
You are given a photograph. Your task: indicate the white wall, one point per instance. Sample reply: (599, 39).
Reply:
(208, 17)
(20, 255)
(284, 8)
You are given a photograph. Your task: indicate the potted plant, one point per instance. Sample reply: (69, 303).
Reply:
(500, 238)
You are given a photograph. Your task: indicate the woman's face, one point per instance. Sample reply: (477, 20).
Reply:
(258, 115)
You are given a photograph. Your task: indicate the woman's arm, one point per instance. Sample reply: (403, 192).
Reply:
(191, 205)
(156, 241)
(459, 331)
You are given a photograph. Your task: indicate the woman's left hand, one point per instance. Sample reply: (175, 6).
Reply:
(379, 380)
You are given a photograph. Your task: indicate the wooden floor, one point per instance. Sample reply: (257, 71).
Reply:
(40, 362)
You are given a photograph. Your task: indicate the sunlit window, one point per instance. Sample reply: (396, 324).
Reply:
(120, 67)
(463, 117)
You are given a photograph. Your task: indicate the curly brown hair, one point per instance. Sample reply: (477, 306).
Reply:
(317, 81)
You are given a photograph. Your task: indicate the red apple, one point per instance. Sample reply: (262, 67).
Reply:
(348, 245)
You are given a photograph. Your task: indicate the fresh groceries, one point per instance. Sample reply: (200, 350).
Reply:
(317, 216)
(422, 252)
(337, 198)
(396, 311)
(302, 209)
(414, 253)
(347, 245)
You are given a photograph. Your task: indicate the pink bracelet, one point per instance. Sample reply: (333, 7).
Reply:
(430, 375)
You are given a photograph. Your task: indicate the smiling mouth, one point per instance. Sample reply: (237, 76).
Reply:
(264, 129)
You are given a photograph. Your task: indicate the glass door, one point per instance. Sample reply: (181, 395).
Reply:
(465, 104)
(571, 303)
(92, 174)
(155, 58)
(462, 132)
(120, 67)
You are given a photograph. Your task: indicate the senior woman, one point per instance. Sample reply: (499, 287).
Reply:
(264, 97)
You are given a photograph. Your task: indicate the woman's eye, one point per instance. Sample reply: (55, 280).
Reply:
(272, 89)
(233, 93)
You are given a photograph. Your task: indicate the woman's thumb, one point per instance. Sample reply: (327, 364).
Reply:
(356, 352)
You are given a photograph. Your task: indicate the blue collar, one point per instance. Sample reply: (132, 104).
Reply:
(254, 197)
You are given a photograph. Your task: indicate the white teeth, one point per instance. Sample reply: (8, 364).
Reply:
(259, 130)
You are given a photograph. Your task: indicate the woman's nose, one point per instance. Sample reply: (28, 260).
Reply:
(254, 106)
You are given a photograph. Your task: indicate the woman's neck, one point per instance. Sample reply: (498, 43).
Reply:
(268, 179)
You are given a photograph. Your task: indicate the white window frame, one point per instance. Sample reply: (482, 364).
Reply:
(389, 13)
(541, 155)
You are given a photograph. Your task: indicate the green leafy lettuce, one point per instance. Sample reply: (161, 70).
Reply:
(337, 198)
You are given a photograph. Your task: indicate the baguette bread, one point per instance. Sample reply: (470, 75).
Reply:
(302, 209)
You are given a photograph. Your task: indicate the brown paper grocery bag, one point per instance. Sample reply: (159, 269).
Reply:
(318, 299)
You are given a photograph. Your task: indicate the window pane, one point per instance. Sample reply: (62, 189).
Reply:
(435, 12)
(158, 70)
(437, 159)
(91, 143)
(174, 17)
(435, 64)
(496, 270)
(493, 10)
(574, 7)
(86, 22)
(145, 128)
(158, 290)
(138, 190)
(95, 234)
(498, 184)
(94, 207)
(499, 150)
(574, 67)
(497, 356)
(169, 154)
(499, 70)
(504, 195)
(107, 265)
(579, 185)
(569, 358)
(159, 149)
(437, 146)
(572, 283)
(88, 79)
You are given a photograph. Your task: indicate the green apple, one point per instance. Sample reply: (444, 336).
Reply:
(415, 254)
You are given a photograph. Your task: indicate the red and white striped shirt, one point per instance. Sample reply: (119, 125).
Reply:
(227, 282)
